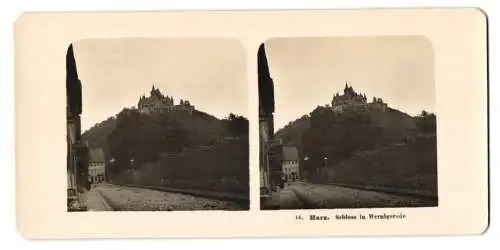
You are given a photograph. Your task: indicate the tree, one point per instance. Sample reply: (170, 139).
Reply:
(426, 123)
(144, 138)
(321, 118)
(337, 135)
(236, 125)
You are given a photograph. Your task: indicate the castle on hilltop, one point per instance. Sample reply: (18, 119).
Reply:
(352, 100)
(158, 103)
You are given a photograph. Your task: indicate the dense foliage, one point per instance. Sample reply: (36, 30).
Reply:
(337, 136)
(236, 125)
(133, 140)
(140, 138)
(426, 123)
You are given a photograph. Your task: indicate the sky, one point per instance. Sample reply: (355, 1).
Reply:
(210, 73)
(307, 72)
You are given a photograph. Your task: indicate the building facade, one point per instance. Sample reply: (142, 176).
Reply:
(77, 151)
(269, 170)
(156, 103)
(351, 100)
(290, 163)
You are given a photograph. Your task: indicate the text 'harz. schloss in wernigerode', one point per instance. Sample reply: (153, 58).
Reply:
(362, 216)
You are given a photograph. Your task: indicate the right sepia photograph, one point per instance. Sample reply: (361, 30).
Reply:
(347, 122)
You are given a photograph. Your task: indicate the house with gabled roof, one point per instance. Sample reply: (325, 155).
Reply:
(97, 165)
(290, 163)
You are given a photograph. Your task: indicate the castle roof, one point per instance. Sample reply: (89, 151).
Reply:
(155, 97)
(349, 90)
(348, 95)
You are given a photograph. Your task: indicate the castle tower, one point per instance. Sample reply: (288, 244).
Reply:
(349, 91)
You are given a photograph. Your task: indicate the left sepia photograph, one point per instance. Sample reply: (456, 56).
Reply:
(157, 125)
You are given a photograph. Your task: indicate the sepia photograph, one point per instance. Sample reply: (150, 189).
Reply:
(347, 122)
(157, 125)
(147, 123)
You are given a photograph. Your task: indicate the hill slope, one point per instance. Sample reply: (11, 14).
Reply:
(409, 167)
(198, 124)
(324, 128)
(97, 135)
(132, 135)
(180, 150)
(292, 133)
(366, 147)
